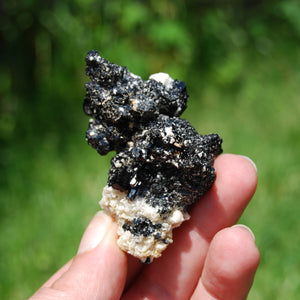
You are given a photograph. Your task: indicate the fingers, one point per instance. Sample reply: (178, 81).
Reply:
(224, 203)
(98, 271)
(58, 274)
(134, 267)
(230, 266)
(177, 272)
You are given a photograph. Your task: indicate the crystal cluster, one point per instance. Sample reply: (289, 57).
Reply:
(162, 165)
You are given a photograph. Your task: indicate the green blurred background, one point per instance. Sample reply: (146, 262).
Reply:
(241, 63)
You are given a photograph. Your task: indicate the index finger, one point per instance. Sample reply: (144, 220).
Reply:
(176, 273)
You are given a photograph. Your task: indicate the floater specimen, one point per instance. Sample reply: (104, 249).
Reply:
(162, 165)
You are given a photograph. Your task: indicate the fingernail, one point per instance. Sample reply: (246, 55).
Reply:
(95, 232)
(244, 227)
(251, 161)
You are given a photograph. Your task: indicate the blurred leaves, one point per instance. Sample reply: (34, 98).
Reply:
(290, 11)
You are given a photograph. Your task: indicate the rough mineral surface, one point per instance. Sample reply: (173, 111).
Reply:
(162, 165)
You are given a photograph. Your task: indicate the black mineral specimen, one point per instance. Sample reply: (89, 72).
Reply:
(122, 103)
(159, 156)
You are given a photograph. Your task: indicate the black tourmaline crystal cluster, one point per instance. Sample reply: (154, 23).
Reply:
(162, 165)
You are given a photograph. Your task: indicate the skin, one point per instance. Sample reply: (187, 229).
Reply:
(209, 258)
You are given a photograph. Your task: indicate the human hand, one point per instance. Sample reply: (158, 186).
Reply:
(208, 259)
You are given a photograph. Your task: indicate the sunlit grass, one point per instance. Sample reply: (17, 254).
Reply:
(49, 201)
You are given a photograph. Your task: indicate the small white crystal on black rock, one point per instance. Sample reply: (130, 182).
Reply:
(162, 165)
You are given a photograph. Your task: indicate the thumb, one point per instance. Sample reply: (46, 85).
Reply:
(98, 271)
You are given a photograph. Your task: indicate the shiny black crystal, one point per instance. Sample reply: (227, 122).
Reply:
(142, 226)
(159, 156)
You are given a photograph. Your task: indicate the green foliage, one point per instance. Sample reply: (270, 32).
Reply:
(240, 61)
